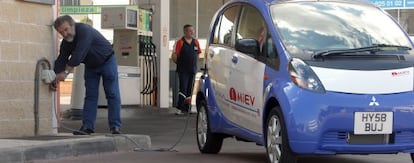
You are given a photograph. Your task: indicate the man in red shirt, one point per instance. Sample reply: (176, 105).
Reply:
(185, 55)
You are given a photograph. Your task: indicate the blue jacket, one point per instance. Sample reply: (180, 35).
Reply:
(187, 56)
(88, 47)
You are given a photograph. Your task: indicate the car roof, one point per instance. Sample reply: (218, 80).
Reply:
(272, 1)
(263, 4)
(281, 1)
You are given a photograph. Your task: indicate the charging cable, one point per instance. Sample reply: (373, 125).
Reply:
(137, 146)
(172, 148)
(53, 84)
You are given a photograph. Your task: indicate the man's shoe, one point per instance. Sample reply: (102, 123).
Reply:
(180, 112)
(115, 130)
(83, 131)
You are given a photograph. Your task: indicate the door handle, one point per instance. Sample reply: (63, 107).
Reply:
(235, 59)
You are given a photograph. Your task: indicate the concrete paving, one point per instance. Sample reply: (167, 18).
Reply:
(64, 144)
(164, 130)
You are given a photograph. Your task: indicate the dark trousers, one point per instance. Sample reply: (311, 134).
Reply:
(186, 82)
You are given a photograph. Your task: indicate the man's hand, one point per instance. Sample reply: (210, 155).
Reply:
(174, 57)
(53, 86)
(61, 76)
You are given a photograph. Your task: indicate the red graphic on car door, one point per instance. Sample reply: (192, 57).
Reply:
(232, 93)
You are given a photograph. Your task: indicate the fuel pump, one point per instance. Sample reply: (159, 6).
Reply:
(134, 50)
(155, 69)
(125, 23)
(151, 61)
(146, 70)
(148, 59)
(147, 64)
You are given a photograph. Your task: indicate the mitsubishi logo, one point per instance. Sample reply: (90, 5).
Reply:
(373, 102)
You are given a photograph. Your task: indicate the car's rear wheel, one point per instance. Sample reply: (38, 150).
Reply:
(207, 141)
(277, 145)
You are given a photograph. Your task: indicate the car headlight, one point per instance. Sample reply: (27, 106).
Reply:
(303, 76)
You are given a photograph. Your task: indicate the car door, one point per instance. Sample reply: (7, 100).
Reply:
(245, 85)
(220, 52)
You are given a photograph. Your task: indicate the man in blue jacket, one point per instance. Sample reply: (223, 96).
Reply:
(83, 44)
(185, 55)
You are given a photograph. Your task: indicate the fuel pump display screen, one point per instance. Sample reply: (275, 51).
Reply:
(132, 18)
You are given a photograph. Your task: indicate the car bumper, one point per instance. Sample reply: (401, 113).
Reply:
(324, 123)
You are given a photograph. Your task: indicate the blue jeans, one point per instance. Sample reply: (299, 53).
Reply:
(109, 73)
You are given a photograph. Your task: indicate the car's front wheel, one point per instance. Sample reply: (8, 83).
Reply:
(207, 141)
(277, 145)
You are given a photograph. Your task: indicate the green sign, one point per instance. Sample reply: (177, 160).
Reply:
(88, 9)
(80, 9)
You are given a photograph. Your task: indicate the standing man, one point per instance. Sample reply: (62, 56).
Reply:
(83, 44)
(185, 55)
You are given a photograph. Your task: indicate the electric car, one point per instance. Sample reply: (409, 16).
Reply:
(307, 78)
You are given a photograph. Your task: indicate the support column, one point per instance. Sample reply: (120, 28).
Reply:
(161, 37)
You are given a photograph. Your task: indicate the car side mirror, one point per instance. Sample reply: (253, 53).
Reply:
(248, 46)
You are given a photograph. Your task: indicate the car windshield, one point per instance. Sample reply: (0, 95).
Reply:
(307, 28)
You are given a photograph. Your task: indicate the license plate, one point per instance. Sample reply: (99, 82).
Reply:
(366, 123)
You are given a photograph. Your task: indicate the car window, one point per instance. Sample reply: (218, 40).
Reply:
(217, 31)
(270, 54)
(333, 25)
(225, 26)
(252, 26)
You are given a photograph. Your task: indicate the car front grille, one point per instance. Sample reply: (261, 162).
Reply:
(399, 137)
(404, 137)
(334, 138)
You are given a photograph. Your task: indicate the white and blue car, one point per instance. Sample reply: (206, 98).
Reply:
(307, 77)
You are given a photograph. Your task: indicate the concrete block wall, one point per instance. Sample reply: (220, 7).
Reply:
(184, 12)
(26, 35)
(406, 18)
